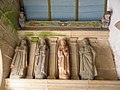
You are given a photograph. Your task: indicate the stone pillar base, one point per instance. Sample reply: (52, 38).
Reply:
(51, 77)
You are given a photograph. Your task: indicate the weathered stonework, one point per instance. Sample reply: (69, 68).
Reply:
(99, 41)
(74, 58)
(1, 34)
(33, 84)
(53, 58)
(8, 40)
(1, 69)
(31, 57)
(6, 65)
(8, 35)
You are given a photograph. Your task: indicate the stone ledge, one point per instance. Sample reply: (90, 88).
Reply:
(36, 84)
(100, 34)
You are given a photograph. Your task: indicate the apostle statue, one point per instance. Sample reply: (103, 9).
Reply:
(21, 18)
(19, 62)
(63, 60)
(41, 56)
(87, 61)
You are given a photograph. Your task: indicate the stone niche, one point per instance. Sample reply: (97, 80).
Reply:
(106, 79)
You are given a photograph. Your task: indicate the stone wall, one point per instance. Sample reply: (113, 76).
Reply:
(8, 35)
(98, 39)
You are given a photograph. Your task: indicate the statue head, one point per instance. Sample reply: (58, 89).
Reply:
(23, 42)
(62, 42)
(41, 42)
(85, 41)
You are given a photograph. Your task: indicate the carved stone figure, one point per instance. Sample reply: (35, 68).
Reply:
(19, 62)
(87, 61)
(41, 54)
(21, 19)
(63, 60)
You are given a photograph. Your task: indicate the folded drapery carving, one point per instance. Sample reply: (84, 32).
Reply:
(87, 61)
(41, 54)
(63, 60)
(19, 62)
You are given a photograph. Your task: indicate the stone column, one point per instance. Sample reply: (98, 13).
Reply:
(74, 61)
(32, 43)
(52, 58)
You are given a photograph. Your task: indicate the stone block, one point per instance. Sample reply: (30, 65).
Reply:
(8, 35)
(1, 34)
(5, 47)
(104, 54)
(2, 30)
(108, 74)
(11, 52)
(7, 26)
(2, 3)
(9, 39)
(25, 84)
(32, 84)
(15, 5)
(6, 66)
(0, 43)
(103, 85)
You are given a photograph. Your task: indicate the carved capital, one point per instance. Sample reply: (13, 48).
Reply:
(73, 39)
(53, 40)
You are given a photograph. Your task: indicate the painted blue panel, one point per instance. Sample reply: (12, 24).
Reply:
(62, 16)
(36, 9)
(35, 2)
(63, 2)
(91, 2)
(63, 9)
(90, 10)
(37, 16)
(90, 16)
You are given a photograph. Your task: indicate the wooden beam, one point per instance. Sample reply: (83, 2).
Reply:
(49, 9)
(76, 9)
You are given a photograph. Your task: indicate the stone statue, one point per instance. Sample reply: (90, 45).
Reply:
(21, 19)
(19, 62)
(41, 54)
(63, 60)
(87, 61)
